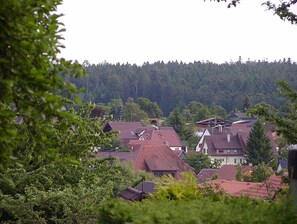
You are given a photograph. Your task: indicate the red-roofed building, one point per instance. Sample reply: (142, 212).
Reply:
(126, 129)
(147, 156)
(225, 172)
(230, 148)
(228, 172)
(129, 131)
(265, 190)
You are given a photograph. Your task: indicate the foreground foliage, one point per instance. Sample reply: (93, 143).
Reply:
(231, 210)
(47, 171)
(59, 193)
(183, 202)
(32, 83)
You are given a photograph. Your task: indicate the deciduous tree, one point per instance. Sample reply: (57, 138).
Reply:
(31, 74)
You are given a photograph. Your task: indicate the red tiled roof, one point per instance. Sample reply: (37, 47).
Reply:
(135, 130)
(159, 157)
(233, 187)
(177, 152)
(151, 157)
(243, 129)
(240, 127)
(263, 190)
(169, 135)
(228, 172)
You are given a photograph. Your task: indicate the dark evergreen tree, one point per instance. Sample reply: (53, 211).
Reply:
(258, 146)
(246, 104)
(177, 121)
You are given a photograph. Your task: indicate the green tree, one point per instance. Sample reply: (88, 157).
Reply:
(282, 9)
(151, 108)
(31, 75)
(56, 178)
(217, 111)
(116, 110)
(176, 120)
(199, 161)
(246, 104)
(286, 121)
(258, 146)
(261, 172)
(132, 112)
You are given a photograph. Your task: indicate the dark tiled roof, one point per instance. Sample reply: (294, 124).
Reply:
(210, 122)
(219, 142)
(283, 164)
(131, 194)
(206, 174)
(147, 187)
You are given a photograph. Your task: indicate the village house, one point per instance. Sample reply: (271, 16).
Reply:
(152, 157)
(225, 172)
(210, 123)
(228, 149)
(228, 144)
(136, 131)
(265, 190)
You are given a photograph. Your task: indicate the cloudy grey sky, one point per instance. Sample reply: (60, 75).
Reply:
(138, 31)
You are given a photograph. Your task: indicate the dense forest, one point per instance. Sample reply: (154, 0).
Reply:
(176, 84)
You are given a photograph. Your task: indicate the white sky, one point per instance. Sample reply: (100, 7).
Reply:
(138, 31)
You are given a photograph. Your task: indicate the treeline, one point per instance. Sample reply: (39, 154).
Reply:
(176, 84)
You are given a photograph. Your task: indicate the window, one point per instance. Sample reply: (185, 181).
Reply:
(221, 151)
(235, 161)
(240, 160)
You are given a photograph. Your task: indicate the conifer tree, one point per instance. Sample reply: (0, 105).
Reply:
(258, 146)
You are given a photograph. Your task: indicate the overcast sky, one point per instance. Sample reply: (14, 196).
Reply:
(138, 31)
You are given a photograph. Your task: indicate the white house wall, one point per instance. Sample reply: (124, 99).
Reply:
(199, 145)
(229, 160)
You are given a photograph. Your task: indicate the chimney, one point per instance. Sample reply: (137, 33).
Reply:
(220, 128)
(228, 137)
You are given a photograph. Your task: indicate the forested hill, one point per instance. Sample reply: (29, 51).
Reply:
(175, 84)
